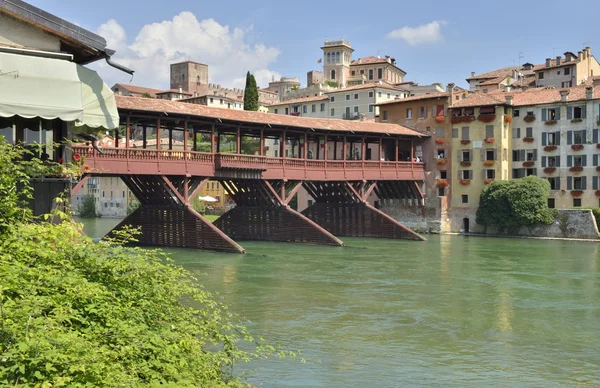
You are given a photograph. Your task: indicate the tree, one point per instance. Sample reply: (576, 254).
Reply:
(78, 313)
(250, 93)
(512, 204)
(87, 207)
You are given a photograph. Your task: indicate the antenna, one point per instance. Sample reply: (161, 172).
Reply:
(586, 44)
(521, 56)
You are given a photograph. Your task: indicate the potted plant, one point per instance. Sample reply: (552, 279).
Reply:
(529, 163)
(597, 192)
(550, 122)
(441, 183)
(576, 193)
(465, 182)
(465, 164)
(440, 140)
(489, 140)
(440, 119)
(508, 119)
(486, 118)
(549, 148)
(488, 163)
(577, 147)
(465, 142)
(577, 120)
(528, 139)
(487, 181)
(576, 169)
(549, 170)
(529, 118)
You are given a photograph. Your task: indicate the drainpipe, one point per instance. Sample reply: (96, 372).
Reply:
(110, 53)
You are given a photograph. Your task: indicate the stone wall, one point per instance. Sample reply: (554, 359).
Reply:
(415, 216)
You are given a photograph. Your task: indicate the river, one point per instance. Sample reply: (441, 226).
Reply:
(452, 311)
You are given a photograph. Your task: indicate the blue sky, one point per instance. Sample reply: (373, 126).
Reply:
(435, 41)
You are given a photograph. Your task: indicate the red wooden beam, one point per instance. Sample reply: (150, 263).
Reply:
(293, 192)
(197, 190)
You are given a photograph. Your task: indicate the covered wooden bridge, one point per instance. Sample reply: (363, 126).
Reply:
(262, 160)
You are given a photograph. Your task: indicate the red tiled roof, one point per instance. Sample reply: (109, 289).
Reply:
(416, 98)
(301, 100)
(372, 60)
(383, 85)
(181, 108)
(479, 99)
(174, 91)
(138, 89)
(536, 96)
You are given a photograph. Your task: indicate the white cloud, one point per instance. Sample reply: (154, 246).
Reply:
(423, 34)
(227, 52)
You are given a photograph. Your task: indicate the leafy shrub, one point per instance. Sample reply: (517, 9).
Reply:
(87, 207)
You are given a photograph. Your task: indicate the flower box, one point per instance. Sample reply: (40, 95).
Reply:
(549, 170)
(440, 140)
(441, 183)
(576, 193)
(529, 118)
(598, 146)
(465, 142)
(489, 163)
(487, 181)
(465, 164)
(549, 148)
(486, 118)
(598, 168)
(529, 163)
(465, 182)
(489, 140)
(441, 160)
(462, 119)
(577, 147)
(440, 119)
(508, 119)
(576, 169)
(576, 120)
(528, 139)
(550, 122)
(294, 113)
(597, 192)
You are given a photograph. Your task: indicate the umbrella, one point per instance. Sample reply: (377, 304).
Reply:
(208, 199)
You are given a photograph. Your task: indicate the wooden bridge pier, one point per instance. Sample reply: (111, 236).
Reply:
(166, 218)
(263, 213)
(342, 208)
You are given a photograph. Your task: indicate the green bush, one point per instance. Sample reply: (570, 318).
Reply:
(87, 207)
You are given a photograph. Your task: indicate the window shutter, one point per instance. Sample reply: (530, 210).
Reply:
(557, 110)
(557, 138)
(482, 153)
(535, 171)
(584, 111)
(522, 172)
(521, 155)
(470, 174)
(569, 160)
(584, 161)
(543, 161)
(584, 183)
(595, 136)
(535, 155)
(483, 174)
(518, 133)
(594, 183)
(557, 159)
(558, 183)
(569, 137)
(569, 183)
(544, 138)
(544, 114)
(460, 176)
(496, 152)
(455, 133)
(569, 113)
(459, 155)
(583, 137)
(595, 160)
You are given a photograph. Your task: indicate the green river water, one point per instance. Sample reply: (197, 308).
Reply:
(452, 311)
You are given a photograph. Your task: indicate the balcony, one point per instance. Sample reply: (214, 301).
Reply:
(352, 116)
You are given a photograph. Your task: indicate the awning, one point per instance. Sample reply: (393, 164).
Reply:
(51, 88)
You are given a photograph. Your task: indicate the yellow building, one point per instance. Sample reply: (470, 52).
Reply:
(217, 191)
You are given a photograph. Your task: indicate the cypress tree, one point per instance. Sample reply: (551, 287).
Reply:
(250, 93)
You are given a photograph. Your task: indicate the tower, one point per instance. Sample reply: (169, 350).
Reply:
(336, 61)
(191, 77)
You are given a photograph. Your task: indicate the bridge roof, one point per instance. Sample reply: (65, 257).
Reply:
(141, 104)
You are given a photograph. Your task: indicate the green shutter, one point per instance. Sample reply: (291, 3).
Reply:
(544, 138)
(544, 114)
(569, 160)
(569, 137)
(569, 113)
(569, 183)
(584, 112)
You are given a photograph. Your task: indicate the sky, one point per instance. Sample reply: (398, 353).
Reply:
(432, 40)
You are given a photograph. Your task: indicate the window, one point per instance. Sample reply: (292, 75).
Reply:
(123, 193)
(576, 202)
(465, 198)
(554, 183)
(370, 94)
(553, 161)
(552, 114)
(332, 99)
(441, 191)
(347, 97)
(516, 133)
(313, 108)
(541, 75)
(516, 113)
(490, 174)
(465, 133)
(577, 112)
(552, 138)
(370, 74)
(490, 154)
(422, 112)
(385, 115)
(304, 108)
(455, 133)
(577, 183)
(466, 155)
(389, 95)
(409, 113)
(578, 161)
(362, 72)
(353, 72)
(287, 153)
(211, 100)
(558, 72)
(567, 71)
(551, 203)
(489, 131)
(322, 107)
(466, 174)
(439, 132)
(356, 96)
(529, 113)
(287, 111)
(443, 174)
(439, 110)
(578, 137)
(333, 75)
(276, 111)
(276, 153)
(529, 132)
(332, 112)
(379, 94)
(221, 101)
(379, 73)
(371, 108)
(355, 109)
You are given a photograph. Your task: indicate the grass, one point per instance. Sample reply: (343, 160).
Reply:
(211, 217)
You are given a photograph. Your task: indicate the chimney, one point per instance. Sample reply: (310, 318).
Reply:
(589, 92)
(180, 90)
(558, 60)
(564, 95)
(548, 62)
(580, 55)
(507, 88)
(450, 90)
(509, 100)
(472, 74)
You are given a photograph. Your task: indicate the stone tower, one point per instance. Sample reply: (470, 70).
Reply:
(336, 61)
(191, 77)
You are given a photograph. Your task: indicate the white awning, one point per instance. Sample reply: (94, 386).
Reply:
(51, 88)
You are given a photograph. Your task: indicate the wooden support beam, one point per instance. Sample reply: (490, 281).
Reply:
(353, 190)
(144, 137)
(185, 135)
(369, 191)
(238, 145)
(396, 158)
(262, 142)
(173, 189)
(272, 190)
(158, 133)
(197, 190)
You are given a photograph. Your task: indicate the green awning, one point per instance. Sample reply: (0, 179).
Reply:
(51, 88)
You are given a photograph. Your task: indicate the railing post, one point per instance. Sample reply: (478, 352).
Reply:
(345, 156)
(262, 142)
(127, 136)
(325, 151)
(185, 144)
